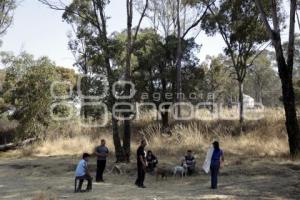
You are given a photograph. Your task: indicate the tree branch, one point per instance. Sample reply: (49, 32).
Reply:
(140, 21)
(259, 53)
(223, 34)
(198, 21)
(264, 17)
(63, 7)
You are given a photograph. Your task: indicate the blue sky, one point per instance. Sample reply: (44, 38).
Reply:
(41, 32)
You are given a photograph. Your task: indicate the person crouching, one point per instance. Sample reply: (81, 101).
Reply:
(151, 161)
(190, 162)
(82, 173)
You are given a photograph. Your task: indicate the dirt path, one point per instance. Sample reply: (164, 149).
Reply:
(249, 179)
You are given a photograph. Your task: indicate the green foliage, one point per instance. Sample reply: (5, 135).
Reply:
(238, 23)
(262, 82)
(154, 70)
(28, 89)
(95, 52)
(15, 68)
(217, 79)
(7, 8)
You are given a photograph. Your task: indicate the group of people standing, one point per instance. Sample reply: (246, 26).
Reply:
(145, 163)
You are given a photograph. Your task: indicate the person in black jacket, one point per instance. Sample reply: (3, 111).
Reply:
(151, 161)
(141, 164)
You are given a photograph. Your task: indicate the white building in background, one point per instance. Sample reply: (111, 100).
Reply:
(248, 101)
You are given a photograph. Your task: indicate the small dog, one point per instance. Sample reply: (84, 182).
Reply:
(117, 169)
(182, 170)
(161, 172)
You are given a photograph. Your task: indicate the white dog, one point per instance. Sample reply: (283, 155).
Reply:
(182, 170)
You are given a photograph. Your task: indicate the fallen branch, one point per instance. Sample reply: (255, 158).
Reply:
(7, 147)
(12, 146)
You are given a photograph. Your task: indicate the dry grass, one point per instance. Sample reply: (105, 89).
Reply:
(265, 141)
(66, 146)
(68, 138)
(264, 137)
(44, 196)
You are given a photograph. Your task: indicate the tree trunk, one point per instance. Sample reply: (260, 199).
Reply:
(165, 119)
(286, 76)
(291, 116)
(120, 157)
(260, 97)
(241, 103)
(178, 61)
(127, 140)
(130, 41)
(4, 139)
(285, 69)
(85, 110)
(288, 96)
(127, 123)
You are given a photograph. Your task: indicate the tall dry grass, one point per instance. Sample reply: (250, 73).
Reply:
(264, 137)
(68, 138)
(267, 141)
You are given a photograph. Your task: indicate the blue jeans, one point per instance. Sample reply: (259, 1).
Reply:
(214, 171)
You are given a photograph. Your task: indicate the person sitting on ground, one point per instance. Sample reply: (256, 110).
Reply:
(151, 161)
(190, 162)
(82, 173)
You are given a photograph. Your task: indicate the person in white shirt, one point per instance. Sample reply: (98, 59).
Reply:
(82, 173)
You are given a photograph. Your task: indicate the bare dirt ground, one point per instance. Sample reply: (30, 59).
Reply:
(241, 178)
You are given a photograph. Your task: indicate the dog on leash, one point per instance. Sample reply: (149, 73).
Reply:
(161, 172)
(181, 170)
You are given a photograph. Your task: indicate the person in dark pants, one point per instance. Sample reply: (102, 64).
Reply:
(190, 162)
(151, 161)
(101, 153)
(141, 165)
(82, 172)
(216, 160)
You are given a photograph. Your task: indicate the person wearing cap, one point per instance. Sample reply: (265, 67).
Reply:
(216, 161)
